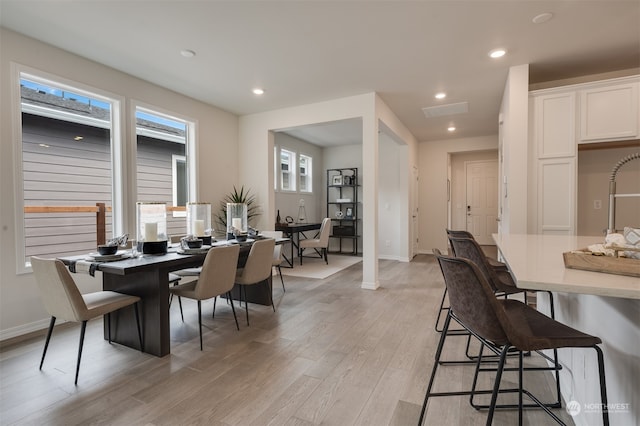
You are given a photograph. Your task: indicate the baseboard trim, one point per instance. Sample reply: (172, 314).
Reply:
(24, 329)
(369, 286)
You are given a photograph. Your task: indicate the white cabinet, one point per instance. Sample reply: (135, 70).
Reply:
(609, 112)
(561, 118)
(556, 196)
(555, 125)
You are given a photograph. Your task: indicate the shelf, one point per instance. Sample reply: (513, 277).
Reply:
(342, 184)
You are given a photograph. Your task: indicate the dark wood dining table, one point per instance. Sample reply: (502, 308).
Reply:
(147, 276)
(293, 232)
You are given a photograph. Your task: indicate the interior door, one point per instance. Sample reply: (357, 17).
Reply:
(414, 213)
(482, 199)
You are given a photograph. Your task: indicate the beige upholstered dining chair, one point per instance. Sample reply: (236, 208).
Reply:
(257, 269)
(215, 279)
(63, 300)
(319, 244)
(277, 253)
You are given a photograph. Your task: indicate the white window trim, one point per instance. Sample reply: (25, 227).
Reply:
(308, 174)
(174, 182)
(191, 151)
(19, 71)
(291, 173)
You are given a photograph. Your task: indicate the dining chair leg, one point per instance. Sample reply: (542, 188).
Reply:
(284, 290)
(200, 322)
(46, 342)
(180, 303)
(520, 386)
(109, 327)
(213, 314)
(82, 330)
(246, 304)
(326, 257)
(135, 306)
(233, 309)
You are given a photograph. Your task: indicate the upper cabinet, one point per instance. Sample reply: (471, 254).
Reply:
(609, 112)
(555, 124)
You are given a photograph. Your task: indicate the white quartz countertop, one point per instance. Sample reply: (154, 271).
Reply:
(536, 262)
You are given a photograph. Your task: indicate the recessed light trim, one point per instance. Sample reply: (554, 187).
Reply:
(187, 53)
(542, 18)
(451, 129)
(441, 95)
(258, 91)
(497, 53)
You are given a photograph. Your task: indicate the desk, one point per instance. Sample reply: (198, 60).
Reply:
(537, 264)
(148, 277)
(293, 231)
(604, 305)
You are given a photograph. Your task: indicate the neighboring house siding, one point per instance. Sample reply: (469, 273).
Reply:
(78, 173)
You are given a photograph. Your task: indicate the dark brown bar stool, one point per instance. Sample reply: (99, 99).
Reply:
(495, 264)
(502, 324)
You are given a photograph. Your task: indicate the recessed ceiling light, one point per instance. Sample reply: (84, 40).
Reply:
(542, 18)
(258, 91)
(187, 53)
(497, 53)
(441, 95)
(451, 129)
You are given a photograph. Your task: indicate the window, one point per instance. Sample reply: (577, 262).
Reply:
(287, 170)
(162, 165)
(66, 168)
(306, 183)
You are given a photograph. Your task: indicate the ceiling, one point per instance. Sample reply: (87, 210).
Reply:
(310, 51)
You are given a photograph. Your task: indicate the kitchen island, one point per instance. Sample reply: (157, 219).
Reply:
(605, 305)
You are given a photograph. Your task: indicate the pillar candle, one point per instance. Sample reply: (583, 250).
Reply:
(151, 231)
(236, 222)
(198, 227)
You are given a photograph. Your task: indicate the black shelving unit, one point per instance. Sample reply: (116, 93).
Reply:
(343, 208)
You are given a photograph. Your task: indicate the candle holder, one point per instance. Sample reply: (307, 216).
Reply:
(151, 227)
(236, 220)
(199, 221)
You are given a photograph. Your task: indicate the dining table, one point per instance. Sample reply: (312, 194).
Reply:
(147, 276)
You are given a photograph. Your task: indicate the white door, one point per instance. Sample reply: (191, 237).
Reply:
(482, 199)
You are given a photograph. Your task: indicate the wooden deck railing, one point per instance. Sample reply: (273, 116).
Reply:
(100, 209)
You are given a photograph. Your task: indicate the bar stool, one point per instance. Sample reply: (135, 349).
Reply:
(502, 324)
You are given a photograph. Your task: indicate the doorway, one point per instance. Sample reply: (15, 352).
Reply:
(474, 194)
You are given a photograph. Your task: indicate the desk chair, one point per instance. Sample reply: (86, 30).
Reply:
(63, 300)
(502, 324)
(319, 244)
(257, 269)
(277, 253)
(215, 279)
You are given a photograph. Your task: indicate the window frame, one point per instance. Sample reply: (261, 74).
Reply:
(308, 174)
(292, 176)
(19, 72)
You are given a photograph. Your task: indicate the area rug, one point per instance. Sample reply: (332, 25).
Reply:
(316, 268)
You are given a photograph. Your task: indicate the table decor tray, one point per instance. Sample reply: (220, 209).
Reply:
(588, 261)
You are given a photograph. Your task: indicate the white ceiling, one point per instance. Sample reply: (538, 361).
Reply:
(309, 51)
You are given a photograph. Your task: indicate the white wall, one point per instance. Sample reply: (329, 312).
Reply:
(288, 203)
(20, 308)
(514, 133)
(391, 209)
(256, 140)
(433, 163)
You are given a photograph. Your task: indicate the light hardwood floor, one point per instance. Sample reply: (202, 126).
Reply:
(331, 354)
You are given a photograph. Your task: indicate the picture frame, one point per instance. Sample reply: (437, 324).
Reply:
(349, 213)
(336, 180)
